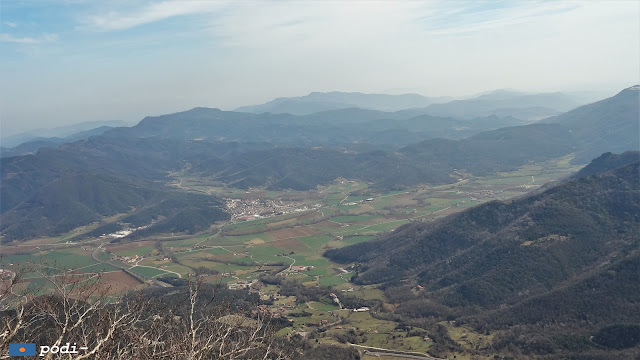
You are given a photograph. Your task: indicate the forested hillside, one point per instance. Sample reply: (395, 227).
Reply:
(79, 199)
(608, 161)
(607, 125)
(325, 128)
(560, 219)
(569, 255)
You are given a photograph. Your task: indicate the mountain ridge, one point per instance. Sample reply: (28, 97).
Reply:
(609, 125)
(204, 142)
(322, 101)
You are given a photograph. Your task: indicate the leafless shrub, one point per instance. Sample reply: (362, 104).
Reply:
(78, 310)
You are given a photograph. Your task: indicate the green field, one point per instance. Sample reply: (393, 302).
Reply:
(334, 199)
(353, 218)
(66, 260)
(315, 261)
(349, 230)
(369, 229)
(6, 260)
(217, 251)
(98, 268)
(147, 272)
(322, 306)
(186, 243)
(331, 280)
(350, 240)
(239, 228)
(267, 254)
(223, 268)
(144, 250)
(347, 208)
(388, 226)
(316, 242)
(39, 287)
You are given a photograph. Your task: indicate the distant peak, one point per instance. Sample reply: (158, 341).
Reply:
(200, 108)
(630, 91)
(502, 92)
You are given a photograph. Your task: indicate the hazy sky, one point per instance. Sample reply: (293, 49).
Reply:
(70, 61)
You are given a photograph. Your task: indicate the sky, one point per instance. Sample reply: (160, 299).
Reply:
(70, 61)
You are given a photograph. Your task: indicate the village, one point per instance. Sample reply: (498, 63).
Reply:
(245, 210)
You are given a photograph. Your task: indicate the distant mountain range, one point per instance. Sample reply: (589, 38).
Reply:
(318, 101)
(434, 159)
(500, 102)
(57, 132)
(563, 261)
(391, 150)
(500, 108)
(33, 145)
(507, 103)
(326, 128)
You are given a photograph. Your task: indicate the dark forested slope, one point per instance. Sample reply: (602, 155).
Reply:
(495, 150)
(80, 198)
(494, 253)
(551, 271)
(608, 161)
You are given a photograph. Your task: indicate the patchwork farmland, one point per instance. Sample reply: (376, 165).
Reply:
(248, 252)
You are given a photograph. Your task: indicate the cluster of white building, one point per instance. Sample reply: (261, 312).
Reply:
(6, 274)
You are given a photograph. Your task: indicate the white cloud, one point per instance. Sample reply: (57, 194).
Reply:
(21, 40)
(11, 24)
(120, 20)
(28, 40)
(465, 20)
(315, 25)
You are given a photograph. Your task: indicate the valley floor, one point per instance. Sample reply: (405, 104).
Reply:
(285, 233)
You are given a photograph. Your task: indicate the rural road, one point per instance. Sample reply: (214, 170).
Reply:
(94, 256)
(398, 353)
